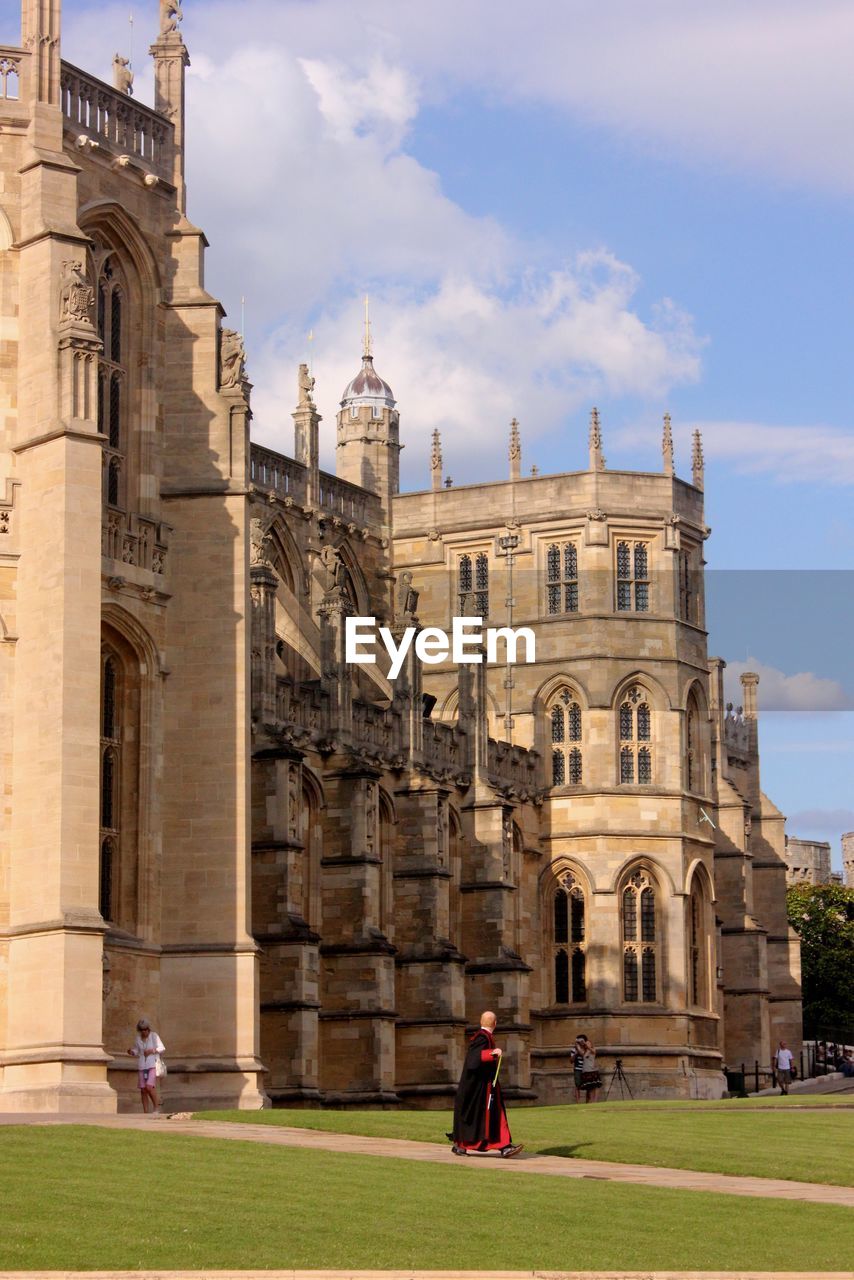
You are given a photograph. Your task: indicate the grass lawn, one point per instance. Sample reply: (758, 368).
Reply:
(78, 1197)
(773, 1141)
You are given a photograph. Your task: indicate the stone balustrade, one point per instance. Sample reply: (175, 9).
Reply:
(131, 539)
(513, 767)
(289, 479)
(116, 122)
(285, 476)
(443, 748)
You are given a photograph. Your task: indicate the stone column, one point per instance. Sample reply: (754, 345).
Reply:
(53, 1054)
(170, 62)
(430, 978)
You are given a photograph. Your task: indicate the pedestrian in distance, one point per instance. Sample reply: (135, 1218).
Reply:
(147, 1049)
(783, 1060)
(578, 1065)
(591, 1081)
(480, 1120)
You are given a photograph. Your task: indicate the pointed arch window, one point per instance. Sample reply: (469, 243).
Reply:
(698, 968)
(635, 728)
(640, 933)
(473, 580)
(695, 768)
(565, 727)
(633, 576)
(562, 577)
(689, 598)
(112, 380)
(569, 943)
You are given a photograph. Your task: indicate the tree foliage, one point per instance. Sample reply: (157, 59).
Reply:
(823, 916)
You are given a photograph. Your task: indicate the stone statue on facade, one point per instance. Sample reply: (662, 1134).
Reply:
(305, 384)
(77, 297)
(122, 75)
(333, 565)
(407, 599)
(170, 15)
(259, 541)
(232, 359)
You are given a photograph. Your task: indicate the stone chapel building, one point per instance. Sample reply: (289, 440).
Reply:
(309, 877)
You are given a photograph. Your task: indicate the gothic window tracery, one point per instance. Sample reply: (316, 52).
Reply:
(569, 943)
(473, 580)
(635, 729)
(562, 578)
(640, 933)
(565, 727)
(633, 576)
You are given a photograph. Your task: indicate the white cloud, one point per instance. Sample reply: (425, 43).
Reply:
(803, 691)
(763, 86)
(298, 171)
(466, 357)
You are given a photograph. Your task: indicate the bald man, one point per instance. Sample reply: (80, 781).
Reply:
(480, 1121)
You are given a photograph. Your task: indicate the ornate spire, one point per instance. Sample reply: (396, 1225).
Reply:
(515, 451)
(667, 446)
(597, 459)
(367, 345)
(697, 460)
(436, 461)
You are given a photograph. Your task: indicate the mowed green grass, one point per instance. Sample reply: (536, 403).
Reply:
(772, 1141)
(77, 1197)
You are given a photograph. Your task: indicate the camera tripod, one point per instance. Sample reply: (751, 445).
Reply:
(619, 1075)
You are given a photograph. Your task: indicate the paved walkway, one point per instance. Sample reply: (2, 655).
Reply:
(433, 1153)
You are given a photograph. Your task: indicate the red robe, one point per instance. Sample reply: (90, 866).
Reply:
(480, 1121)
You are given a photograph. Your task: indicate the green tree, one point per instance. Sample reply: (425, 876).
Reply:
(823, 916)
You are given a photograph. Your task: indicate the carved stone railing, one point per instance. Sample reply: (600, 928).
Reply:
(115, 121)
(285, 476)
(344, 499)
(304, 707)
(513, 767)
(13, 63)
(443, 746)
(377, 730)
(289, 479)
(132, 539)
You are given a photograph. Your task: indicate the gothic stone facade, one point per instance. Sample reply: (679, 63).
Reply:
(309, 884)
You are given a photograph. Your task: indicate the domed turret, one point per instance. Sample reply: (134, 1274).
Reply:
(368, 451)
(368, 388)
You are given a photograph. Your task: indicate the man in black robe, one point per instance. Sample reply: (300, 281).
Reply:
(480, 1121)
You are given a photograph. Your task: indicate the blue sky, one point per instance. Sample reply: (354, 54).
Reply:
(646, 207)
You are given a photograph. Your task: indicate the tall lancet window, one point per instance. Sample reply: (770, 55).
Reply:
(111, 747)
(562, 577)
(112, 383)
(473, 580)
(565, 728)
(635, 730)
(569, 943)
(640, 940)
(633, 577)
